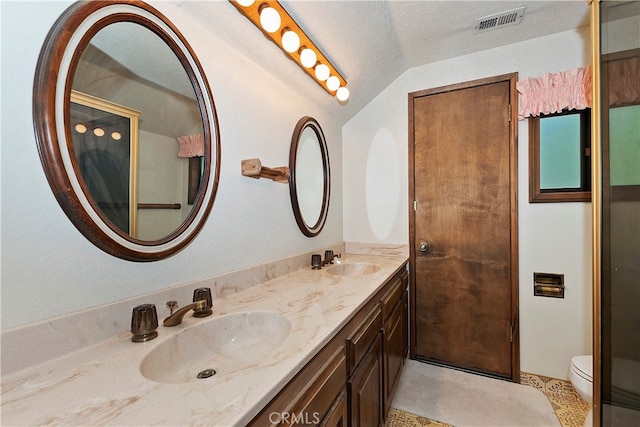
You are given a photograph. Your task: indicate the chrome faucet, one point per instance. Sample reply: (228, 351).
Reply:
(176, 318)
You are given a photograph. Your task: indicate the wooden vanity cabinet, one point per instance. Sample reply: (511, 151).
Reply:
(365, 390)
(394, 305)
(364, 356)
(352, 379)
(337, 415)
(405, 323)
(393, 354)
(315, 404)
(313, 397)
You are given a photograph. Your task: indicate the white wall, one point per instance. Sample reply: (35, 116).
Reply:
(163, 177)
(553, 238)
(50, 269)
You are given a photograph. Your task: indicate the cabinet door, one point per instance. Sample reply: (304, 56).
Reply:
(313, 405)
(365, 389)
(405, 323)
(337, 416)
(393, 351)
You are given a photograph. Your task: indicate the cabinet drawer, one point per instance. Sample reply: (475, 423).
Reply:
(393, 296)
(360, 340)
(313, 403)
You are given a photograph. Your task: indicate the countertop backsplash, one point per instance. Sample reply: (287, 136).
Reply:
(28, 345)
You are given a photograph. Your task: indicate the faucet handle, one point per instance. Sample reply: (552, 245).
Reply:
(328, 256)
(203, 294)
(316, 262)
(144, 322)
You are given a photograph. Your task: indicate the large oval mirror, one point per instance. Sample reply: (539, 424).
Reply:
(309, 176)
(126, 128)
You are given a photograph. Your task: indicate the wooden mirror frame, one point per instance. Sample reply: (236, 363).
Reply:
(55, 69)
(303, 123)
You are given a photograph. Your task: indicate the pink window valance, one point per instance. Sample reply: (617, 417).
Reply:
(554, 92)
(191, 145)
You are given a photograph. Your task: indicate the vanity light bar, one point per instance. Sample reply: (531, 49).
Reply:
(271, 18)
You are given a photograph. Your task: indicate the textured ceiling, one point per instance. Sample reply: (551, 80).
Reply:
(373, 42)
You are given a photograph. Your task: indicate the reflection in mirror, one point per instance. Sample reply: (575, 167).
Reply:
(126, 128)
(309, 176)
(158, 185)
(105, 143)
(309, 179)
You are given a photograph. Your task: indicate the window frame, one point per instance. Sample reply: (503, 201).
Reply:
(556, 195)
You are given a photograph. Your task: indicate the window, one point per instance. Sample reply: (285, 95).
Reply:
(559, 157)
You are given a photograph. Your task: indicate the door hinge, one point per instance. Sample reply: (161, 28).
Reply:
(415, 205)
(511, 333)
(509, 112)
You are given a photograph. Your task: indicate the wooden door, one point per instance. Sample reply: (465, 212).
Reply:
(464, 179)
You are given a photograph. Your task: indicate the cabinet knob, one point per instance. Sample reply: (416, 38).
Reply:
(424, 247)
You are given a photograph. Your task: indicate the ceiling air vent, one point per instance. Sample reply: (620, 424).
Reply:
(498, 20)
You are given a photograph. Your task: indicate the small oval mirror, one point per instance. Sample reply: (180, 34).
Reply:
(309, 176)
(126, 128)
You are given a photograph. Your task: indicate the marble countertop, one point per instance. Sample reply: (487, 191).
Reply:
(103, 384)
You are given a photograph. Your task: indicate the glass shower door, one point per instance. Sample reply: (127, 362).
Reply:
(620, 298)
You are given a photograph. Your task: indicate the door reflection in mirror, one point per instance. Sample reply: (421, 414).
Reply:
(157, 196)
(105, 144)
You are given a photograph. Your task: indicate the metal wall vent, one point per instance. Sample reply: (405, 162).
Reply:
(498, 20)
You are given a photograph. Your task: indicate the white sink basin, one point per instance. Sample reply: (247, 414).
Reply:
(353, 269)
(225, 344)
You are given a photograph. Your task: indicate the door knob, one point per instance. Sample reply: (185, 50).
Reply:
(424, 247)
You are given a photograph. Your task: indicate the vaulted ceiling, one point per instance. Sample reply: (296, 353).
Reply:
(373, 42)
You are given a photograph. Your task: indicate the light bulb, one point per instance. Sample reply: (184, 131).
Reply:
(308, 58)
(322, 72)
(116, 136)
(98, 132)
(290, 40)
(245, 3)
(270, 19)
(342, 94)
(80, 128)
(333, 83)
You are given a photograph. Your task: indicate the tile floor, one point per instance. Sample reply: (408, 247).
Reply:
(569, 407)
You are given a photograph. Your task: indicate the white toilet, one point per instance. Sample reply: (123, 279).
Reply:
(581, 376)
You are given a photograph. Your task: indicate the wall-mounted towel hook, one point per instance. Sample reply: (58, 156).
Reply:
(253, 168)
